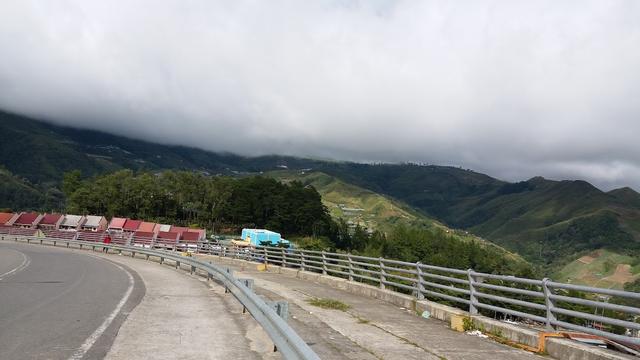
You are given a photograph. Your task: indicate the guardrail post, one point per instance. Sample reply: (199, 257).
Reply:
(420, 279)
(282, 309)
(302, 263)
(193, 269)
(549, 303)
(324, 263)
(284, 257)
(230, 272)
(249, 284)
(266, 254)
(350, 262)
(177, 264)
(383, 274)
(473, 310)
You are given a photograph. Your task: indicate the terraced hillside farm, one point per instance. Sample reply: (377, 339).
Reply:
(372, 210)
(601, 268)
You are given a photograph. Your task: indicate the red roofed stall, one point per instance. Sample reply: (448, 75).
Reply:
(189, 241)
(131, 225)
(166, 240)
(117, 224)
(27, 220)
(51, 222)
(5, 218)
(143, 238)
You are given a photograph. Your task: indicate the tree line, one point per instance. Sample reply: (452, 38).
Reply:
(227, 204)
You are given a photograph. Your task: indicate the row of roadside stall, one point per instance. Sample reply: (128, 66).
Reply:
(96, 228)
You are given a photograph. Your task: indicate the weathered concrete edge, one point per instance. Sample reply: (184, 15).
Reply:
(556, 348)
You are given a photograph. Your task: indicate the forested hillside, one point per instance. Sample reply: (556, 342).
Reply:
(293, 209)
(549, 222)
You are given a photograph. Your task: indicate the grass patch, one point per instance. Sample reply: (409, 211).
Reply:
(329, 304)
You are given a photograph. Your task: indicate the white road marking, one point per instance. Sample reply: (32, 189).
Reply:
(25, 262)
(80, 353)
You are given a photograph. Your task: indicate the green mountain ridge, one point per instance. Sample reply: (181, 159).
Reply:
(372, 210)
(548, 222)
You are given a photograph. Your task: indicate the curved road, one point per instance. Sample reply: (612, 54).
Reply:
(61, 304)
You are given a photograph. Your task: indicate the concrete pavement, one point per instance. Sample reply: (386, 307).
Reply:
(53, 301)
(182, 317)
(58, 303)
(370, 329)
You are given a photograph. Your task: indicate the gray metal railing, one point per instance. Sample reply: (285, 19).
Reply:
(544, 302)
(285, 339)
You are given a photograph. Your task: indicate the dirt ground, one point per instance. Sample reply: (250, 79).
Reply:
(621, 275)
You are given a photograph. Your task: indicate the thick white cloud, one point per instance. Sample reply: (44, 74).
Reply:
(512, 88)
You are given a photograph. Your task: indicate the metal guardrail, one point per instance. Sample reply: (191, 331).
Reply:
(285, 339)
(545, 302)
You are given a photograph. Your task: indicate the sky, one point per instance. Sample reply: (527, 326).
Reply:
(510, 88)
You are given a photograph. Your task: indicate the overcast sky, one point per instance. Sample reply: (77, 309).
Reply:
(510, 88)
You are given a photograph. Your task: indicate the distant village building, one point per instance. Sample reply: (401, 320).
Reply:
(146, 227)
(71, 222)
(94, 223)
(131, 226)
(178, 229)
(161, 227)
(6, 218)
(167, 239)
(117, 224)
(27, 220)
(51, 221)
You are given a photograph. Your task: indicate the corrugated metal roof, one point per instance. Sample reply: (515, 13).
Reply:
(93, 221)
(50, 219)
(146, 226)
(5, 217)
(163, 227)
(117, 223)
(132, 225)
(27, 218)
(71, 220)
(178, 229)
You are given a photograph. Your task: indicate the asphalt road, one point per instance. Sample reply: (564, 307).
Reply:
(61, 304)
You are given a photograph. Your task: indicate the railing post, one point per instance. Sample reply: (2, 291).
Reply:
(350, 263)
(284, 257)
(420, 279)
(302, 263)
(324, 263)
(383, 274)
(473, 310)
(549, 303)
